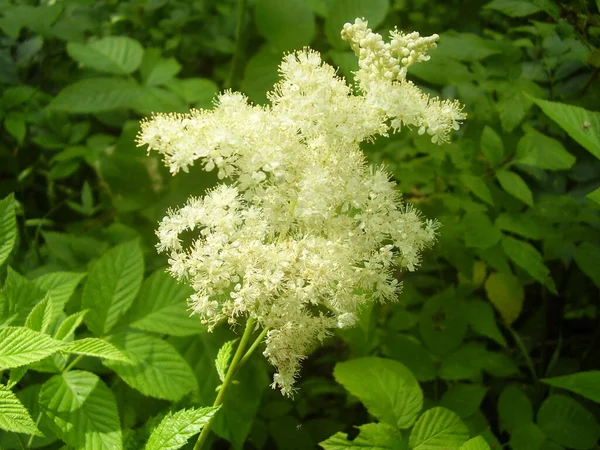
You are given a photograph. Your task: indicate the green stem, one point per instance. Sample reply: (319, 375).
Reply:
(37, 422)
(255, 344)
(524, 352)
(228, 379)
(239, 46)
(75, 361)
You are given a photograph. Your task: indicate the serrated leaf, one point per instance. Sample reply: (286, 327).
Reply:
(224, 358)
(514, 8)
(19, 296)
(20, 346)
(14, 417)
(482, 320)
(40, 316)
(528, 258)
(515, 186)
(478, 187)
(161, 307)
(389, 391)
(372, 436)
(157, 369)
(112, 285)
(587, 257)
(506, 294)
(342, 11)
(581, 124)
(114, 54)
(537, 150)
(464, 399)
(492, 146)
(565, 421)
(437, 429)
(69, 325)
(586, 384)
(286, 25)
(82, 411)
(60, 286)
(8, 227)
(96, 347)
(176, 428)
(96, 95)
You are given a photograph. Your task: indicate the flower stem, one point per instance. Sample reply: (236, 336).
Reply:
(239, 47)
(235, 362)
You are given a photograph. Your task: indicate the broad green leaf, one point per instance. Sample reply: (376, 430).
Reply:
(15, 124)
(161, 307)
(443, 322)
(40, 316)
(523, 225)
(157, 99)
(463, 364)
(527, 436)
(465, 46)
(477, 443)
(537, 150)
(286, 25)
(96, 347)
(528, 258)
(156, 70)
(69, 325)
(224, 358)
(581, 124)
(408, 351)
(14, 416)
(587, 257)
(479, 232)
(342, 11)
(515, 186)
(464, 399)
(19, 296)
(260, 74)
(478, 187)
(505, 292)
(586, 384)
(492, 146)
(198, 91)
(176, 428)
(514, 8)
(565, 421)
(112, 285)
(514, 408)
(372, 436)
(114, 54)
(60, 286)
(157, 370)
(482, 320)
(438, 429)
(387, 388)
(594, 196)
(8, 227)
(96, 95)
(82, 411)
(20, 346)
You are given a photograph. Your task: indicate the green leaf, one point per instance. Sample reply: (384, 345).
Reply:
(443, 323)
(286, 25)
(524, 225)
(157, 370)
(492, 146)
(161, 307)
(478, 187)
(514, 408)
(527, 436)
(594, 196)
(463, 399)
(224, 358)
(40, 316)
(479, 232)
(587, 257)
(514, 8)
(114, 54)
(409, 351)
(482, 320)
(14, 416)
(8, 227)
(505, 292)
(95, 95)
(465, 46)
(82, 411)
(565, 421)
(387, 388)
(260, 74)
(342, 11)
(528, 258)
(515, 186)
(176, 428)
(372, 436)
(60, 286)
(477, 443)
(438, 429)
(155, 99)
(96, 347)
(20, 346)
(15, 124)
(586, 384)
(537, 150)
(69, 325)
(581, 124)
(112, 286)
(199, 91)
(156, 70)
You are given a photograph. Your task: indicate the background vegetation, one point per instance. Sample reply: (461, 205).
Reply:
(500, 326)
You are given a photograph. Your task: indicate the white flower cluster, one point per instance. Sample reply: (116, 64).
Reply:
(303, 232)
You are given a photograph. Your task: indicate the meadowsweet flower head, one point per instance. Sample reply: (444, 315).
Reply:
(301, 233)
